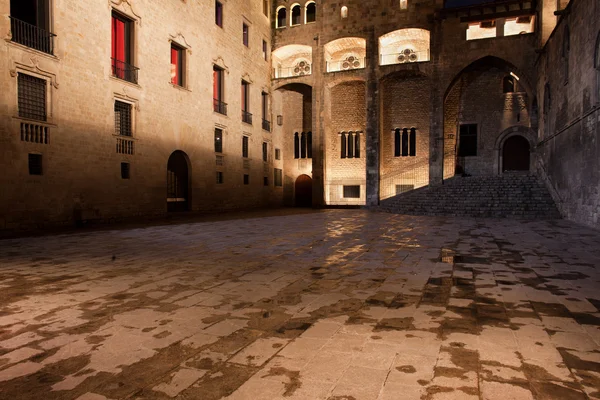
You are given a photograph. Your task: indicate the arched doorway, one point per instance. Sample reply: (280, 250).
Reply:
(178, 182)
(303, 190)
(515, 154)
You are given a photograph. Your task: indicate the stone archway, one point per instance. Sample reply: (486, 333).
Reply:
(516, 154)
(178, 182)
(518, 144)
(303, 191)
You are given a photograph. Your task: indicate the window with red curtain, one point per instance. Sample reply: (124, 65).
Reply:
(217, 83)
(176, 65)
(120, 45)
(219, 14)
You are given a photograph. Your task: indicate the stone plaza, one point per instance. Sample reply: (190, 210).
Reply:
(292, 304)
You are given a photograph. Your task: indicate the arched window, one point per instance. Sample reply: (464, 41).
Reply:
(350, 144)
(311, 12)
(296, 145)
(413, 142)
(281, 17)
(404, 142)
(303, 145)
(343, 151)
(397, 142)
(344, 12)
(508, 84)
(296, 15)
(566, 48)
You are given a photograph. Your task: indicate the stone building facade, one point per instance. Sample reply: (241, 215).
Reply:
(343, 102)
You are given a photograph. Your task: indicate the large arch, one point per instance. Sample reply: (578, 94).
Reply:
(403, 46)
(476, 109)
(345, 53)
(293, 60)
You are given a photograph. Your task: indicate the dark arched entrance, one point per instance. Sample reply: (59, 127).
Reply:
(178, 182)
(515, 154)
(303, 189)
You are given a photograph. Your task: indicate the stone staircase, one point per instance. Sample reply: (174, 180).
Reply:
(519, 196)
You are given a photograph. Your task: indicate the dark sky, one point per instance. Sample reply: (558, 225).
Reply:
(464, 3)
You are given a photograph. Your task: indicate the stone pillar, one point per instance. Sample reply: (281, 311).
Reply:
(318, 130)
(436, 129)
(372, 133)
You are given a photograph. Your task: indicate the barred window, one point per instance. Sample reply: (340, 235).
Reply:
(122, 118)
(32, 97)
(245, 146)
(352, 192)
(265, 151)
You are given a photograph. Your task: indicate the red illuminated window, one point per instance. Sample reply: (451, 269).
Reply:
(121, 55)
(176, 65)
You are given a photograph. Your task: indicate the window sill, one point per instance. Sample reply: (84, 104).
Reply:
(32, 50)
(119, 80)
(47, 123)
(183, 88)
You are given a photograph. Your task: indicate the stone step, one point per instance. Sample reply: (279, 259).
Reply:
(507, 196)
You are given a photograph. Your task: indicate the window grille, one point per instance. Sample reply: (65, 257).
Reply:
(245, 146)
(31, 97)
(35, 164)
(122, 118)
(352, 192)
(265, 151)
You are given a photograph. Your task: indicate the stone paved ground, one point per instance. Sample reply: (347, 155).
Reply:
(324, 305)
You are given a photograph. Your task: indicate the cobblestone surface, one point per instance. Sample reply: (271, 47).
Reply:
(342, 304)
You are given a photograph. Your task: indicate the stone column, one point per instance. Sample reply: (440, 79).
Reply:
(318, 160)
(372, 133)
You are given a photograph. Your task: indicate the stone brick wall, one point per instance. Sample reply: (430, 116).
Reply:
(569, 123)
(81, 166)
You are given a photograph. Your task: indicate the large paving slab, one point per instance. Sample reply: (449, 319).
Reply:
(339, 304)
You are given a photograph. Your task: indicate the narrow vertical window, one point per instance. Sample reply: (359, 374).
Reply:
(265, 151)
(404, 142)
(245, 146)
(121, 54)
(278, 154)
(356, 145)
(296, 15)
(266, 7)
(343, 145)
(35, 164)
(397, 142)
(264, 50)
(350, 146)
(218, 103)
(311, 12)
(245, 35)
(344, 12)
(266, 122)
(218, 140)
(125, 170)
(413, 142)
(296, 145)
(176, 65)
(246, 116)
(281, 17)
(309, 145)
(219, 13)
(303, 145)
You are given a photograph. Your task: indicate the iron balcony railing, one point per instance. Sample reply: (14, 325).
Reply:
(32, 36)
(291, 72)
(122, 70)
(219, 106)
(246, 117)
(266, 125)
